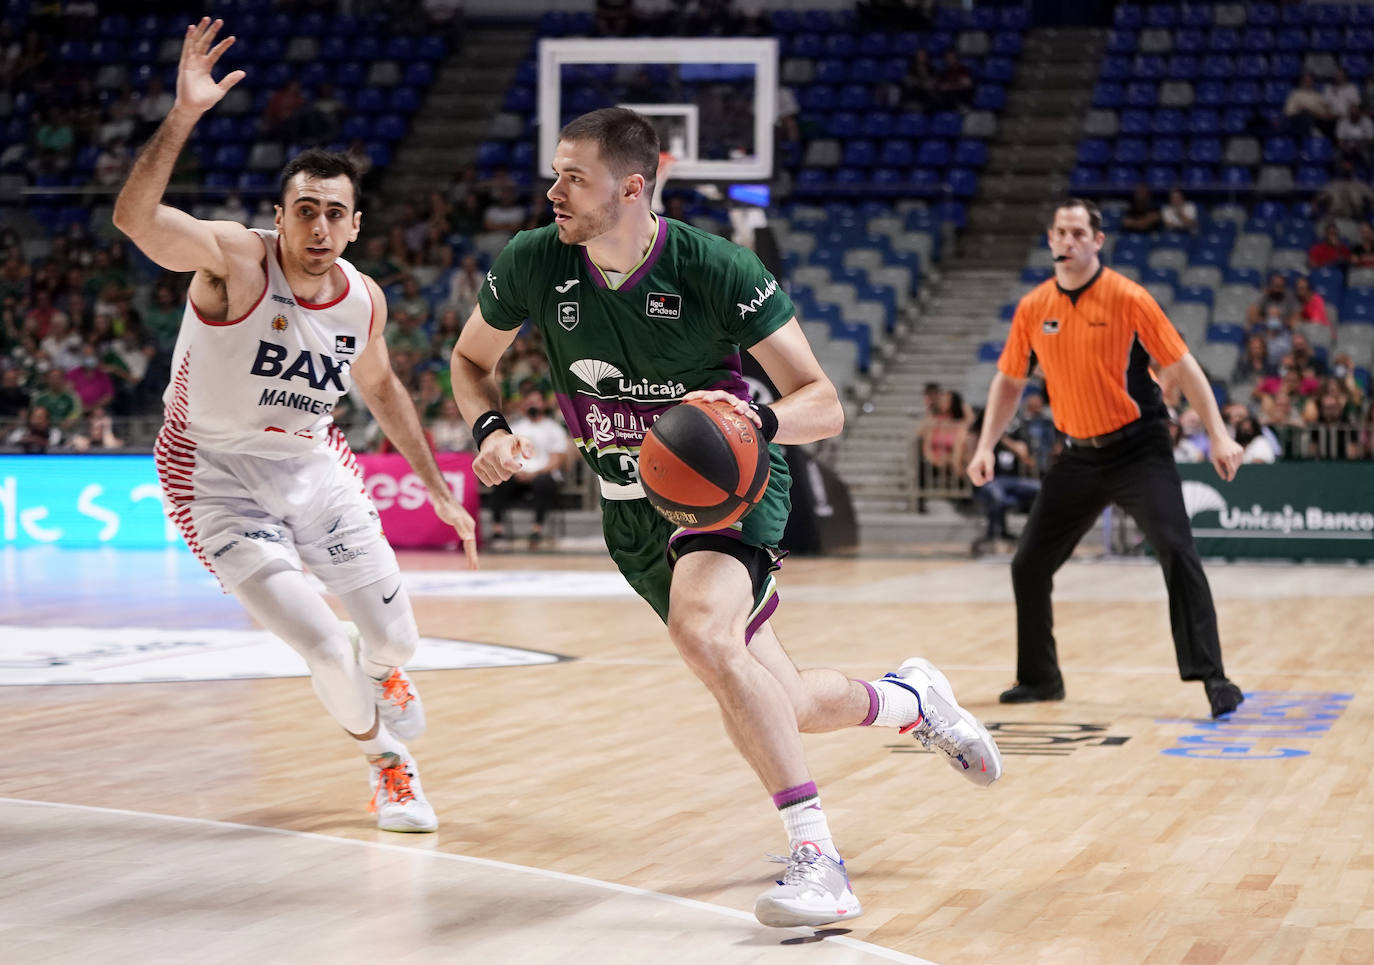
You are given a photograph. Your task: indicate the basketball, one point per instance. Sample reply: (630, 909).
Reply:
(703, 465)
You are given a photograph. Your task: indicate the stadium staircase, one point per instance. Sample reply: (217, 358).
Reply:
(460, 110)
(1031, 158)
(1034, 151)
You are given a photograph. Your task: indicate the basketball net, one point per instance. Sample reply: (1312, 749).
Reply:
(665, 162)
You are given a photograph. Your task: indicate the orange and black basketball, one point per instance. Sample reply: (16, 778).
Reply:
(703, 465)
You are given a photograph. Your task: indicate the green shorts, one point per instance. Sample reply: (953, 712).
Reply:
(642, 543)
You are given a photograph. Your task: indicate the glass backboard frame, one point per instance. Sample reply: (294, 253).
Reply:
(761, 52)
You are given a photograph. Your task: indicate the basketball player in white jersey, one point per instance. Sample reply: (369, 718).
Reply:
(260, 481)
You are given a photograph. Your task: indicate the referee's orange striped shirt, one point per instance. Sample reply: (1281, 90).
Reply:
(1094, 346)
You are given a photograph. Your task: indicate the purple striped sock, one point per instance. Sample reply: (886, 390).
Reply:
(795, 795)
(872, 704)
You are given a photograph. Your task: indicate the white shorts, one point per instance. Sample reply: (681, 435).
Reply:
(239, 512)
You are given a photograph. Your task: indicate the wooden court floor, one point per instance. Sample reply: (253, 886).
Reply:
(592, 809)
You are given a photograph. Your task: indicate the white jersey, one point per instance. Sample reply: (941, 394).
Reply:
(266, 383)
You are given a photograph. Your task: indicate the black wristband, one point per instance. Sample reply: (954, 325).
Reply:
(486, 424)
(769, 419)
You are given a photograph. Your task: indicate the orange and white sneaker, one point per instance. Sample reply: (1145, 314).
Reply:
(397, 798)
(398, 703)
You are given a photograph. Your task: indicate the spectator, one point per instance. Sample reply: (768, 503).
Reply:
(469, 215)
(1331, 419)
(506, 213)
(1362, 254)
(540, 474)
(1344, 196)
(1311, 306)
(413, 302)
(446, 332)
(464, 285)
(153, 106)
(1305, 107)
(1330, 249)
(1192, 431)
(1184, 449)
(430, 395)
(1275, 294)
(230, 209)
(14, 398)
(90, 380)
(920, 84)
(1039, 432)
(113, 163)
(62, 345)
(1179, 214)
(954, 84)
(1013, 485)
(96, 433)
(132, 357)
(1142, 214)
(377, 263)
(1355, 135)
(1253, 365)
(449, 431)
(264, 216)
(463, 184)
(1340, 94)
(405, 337)
(36, 434)
(1259, 448)
(43, 316)
(942, 436)
(1283, 396)
(322, 118)
(1343, 371)
(15, 274)
(1278, 338)
(281, 118)
(121, 117)
(163, 318)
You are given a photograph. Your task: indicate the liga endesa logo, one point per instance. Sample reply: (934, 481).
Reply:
(36, 656)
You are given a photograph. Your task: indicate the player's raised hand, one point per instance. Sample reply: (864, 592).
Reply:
(981, 466)
(452, 512)
(197, 89)
(501, 457)
(720, 395)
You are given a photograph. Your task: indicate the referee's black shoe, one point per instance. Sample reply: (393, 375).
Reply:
(1224, 695)
(1026, 694)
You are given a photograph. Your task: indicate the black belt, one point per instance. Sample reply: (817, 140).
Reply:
(1125, 432)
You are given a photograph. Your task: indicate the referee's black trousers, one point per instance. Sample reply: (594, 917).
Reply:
(1138, 474)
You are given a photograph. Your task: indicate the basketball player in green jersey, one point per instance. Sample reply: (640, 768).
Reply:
(639, 313)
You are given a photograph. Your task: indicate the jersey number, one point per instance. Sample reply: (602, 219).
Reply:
(631, 467)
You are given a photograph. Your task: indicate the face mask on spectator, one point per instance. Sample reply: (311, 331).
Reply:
(1274, 323)
(1339, 371)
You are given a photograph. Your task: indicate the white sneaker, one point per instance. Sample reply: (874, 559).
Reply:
(814, 890)
(945, 726)
(397, 797)
(397, 699)
(398, 703)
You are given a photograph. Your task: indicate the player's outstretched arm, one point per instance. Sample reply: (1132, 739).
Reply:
(473, 375)
(170, 237)
(808, 407)
(395, 413)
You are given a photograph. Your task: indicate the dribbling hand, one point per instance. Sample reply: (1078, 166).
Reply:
(981, 466)
(452, 512)
(740, 406)
(197, 89)
(501, 457)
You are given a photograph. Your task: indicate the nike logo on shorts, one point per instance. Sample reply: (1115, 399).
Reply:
(388, 599)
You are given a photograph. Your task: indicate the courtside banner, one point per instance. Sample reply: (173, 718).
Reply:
(84, 501)
(407, 514)
(1293, 510)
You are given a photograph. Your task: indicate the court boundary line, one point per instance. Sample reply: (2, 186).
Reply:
(867, 948)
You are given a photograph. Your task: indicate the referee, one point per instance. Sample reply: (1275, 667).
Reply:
(1093, 333)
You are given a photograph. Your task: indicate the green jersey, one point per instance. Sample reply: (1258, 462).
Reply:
(622, 355)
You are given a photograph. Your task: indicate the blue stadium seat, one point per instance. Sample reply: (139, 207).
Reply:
(369, 100)
(390, 127)
(1148, 67)
(1168, 122)
(1161, 15)
(1254, 66)
(933, 154)
(1218, 67)
(1141, 94)
(1123, 177)
(1121, 41)
(1108, 94)
(418, 74)
(1194, 293)
(1224, 40)
(1182, 67)
(897, 153)
(404, 100)
(1210, 93)
(1135, 123)
(1190, 41)
(1167, 150)
(1130, 150)
(989, 351)
(876, 124)
(1244, 93)
(1205, 150)
(860, 153)
(1226, 334)
(946, 124)
(1094, 150)
(350, 74)
(963, 183)
(1161, 178)
(1236, 120)
(971, 154)
(1315, 150)
(910, 125)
